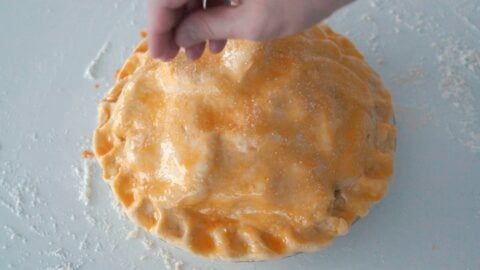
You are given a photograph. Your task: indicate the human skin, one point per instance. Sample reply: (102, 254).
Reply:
(175, 24)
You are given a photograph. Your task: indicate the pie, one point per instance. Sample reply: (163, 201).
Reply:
(262, 151)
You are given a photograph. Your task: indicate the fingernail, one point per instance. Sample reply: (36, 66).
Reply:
(216, 46)
(234, 3)
(194, 53)
(166, 57)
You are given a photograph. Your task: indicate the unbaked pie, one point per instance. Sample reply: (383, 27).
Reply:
(264, 150)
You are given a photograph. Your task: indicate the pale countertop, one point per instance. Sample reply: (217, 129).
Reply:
(428, 54)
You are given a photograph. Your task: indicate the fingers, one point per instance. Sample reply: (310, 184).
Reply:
(252, 20)
(217, 23)
(216, 46)
(334, 5)
(195, 51)
(163, 46)
(182, 23)
(163, 16)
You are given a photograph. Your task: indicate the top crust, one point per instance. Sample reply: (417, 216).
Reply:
(264, 150)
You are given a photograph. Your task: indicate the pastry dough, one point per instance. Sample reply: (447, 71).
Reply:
(264, 150)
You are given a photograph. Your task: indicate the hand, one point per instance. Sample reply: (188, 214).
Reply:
(183, 23)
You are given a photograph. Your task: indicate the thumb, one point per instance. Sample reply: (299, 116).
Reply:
(216, 23)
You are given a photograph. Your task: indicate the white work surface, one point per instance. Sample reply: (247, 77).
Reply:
(428, 53)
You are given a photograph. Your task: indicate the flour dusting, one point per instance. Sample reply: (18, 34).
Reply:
(457, 60)
(62, 266)
(147, 243)
(459, 65)
(86, 175)
(133, 234)
(169, 261)
(91, 72)
(13, 235)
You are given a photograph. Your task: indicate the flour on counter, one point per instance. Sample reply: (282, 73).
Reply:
(152, 251)
(86, 175)
(36, 230)
(59, 253)
(63, 266)
(83, 244)
(89, 218)
(133, 234)
(147, 243)
(459, 64)
(7, 206)
(13, 234)
(91, 72)
(410, 76)
(22, 194)
(169, 261)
